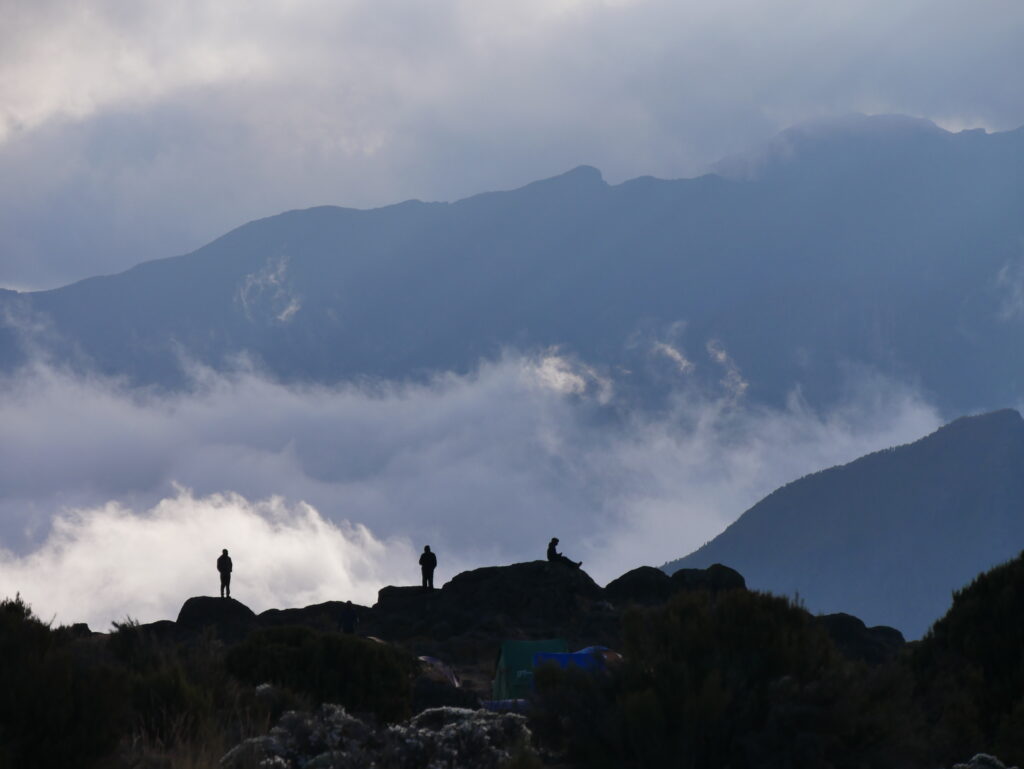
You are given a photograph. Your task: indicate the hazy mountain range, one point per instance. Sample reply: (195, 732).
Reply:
(889, 536)
(883, 242)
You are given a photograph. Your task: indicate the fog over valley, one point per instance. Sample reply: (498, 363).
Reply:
(322, 492)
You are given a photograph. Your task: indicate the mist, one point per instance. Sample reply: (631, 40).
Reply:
(117, 501)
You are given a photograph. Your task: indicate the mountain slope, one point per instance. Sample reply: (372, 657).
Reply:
(889, 536)
(885, 243)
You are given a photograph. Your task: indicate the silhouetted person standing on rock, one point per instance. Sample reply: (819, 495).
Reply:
(349, 618)
(555, 557)
(224, 567)
(428, 562)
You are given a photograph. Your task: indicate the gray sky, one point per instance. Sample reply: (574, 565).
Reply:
(131, 129)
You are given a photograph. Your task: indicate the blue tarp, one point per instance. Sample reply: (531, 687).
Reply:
(585, 659)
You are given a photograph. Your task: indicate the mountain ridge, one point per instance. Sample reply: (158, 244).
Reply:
(910, 272)
(891, 534)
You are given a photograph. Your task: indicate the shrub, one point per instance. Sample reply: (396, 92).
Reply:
(59, 706)
(969, 669)
(364, 676)
(739, 679)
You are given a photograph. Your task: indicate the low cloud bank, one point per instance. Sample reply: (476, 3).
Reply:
(103, 564)
(118, 501)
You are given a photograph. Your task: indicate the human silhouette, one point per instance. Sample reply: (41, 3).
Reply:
(555, 557)
(428, 562)
(224, 567)
(349, 618)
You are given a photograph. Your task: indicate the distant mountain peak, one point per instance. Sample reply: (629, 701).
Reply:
(829, 136)
(579, 176)
(856, 123)
(891, 534)
(1007, 417)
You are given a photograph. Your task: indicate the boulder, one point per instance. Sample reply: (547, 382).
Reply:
(643, 585)
(405, 598)
(715, 577)
(538, 590)
(522, 598)
(229, 617)
(162, 630)
(320, 616)
(445, 737)
(857, 641)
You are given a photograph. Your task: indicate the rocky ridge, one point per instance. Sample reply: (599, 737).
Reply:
(464, 621)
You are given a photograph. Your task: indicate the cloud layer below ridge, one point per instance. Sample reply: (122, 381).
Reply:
(118, 502)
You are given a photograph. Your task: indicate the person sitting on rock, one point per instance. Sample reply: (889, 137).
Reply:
(555, 557)
(224, 567)
(428, 562)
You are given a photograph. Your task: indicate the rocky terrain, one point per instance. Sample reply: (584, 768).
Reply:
(464, 621)
(708, 669)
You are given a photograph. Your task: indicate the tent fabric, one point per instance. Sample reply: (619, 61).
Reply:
(584, 660)
(513, 677)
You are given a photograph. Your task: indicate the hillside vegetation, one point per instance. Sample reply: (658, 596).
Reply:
(712, 675)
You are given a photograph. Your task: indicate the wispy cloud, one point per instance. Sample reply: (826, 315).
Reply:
(484, 467)
(674, 354)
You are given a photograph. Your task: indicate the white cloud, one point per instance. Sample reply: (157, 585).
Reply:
(102, 563)
(732, 379)
(561, 375)
(485, 468)
(1009, 285)
(675, 355)
(266, 295)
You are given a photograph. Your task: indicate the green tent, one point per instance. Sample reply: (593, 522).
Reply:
(513, 678)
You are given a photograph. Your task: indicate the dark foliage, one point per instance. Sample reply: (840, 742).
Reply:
(130, 698)
(362, 675)
(970, 668)
(739, 679)
(181, 691)
(58, 708)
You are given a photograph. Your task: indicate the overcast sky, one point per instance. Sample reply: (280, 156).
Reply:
(131, 129)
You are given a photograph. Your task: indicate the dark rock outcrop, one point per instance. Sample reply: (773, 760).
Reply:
(438, 738)
(322, 616)
(538, 589)
(643, 585)
(857, 641)
(521, 598)
(230, 618)
(714, 577)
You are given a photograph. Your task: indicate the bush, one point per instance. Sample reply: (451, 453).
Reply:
(739, 679)
(364, 676)
(970, 669)
(59, 707)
